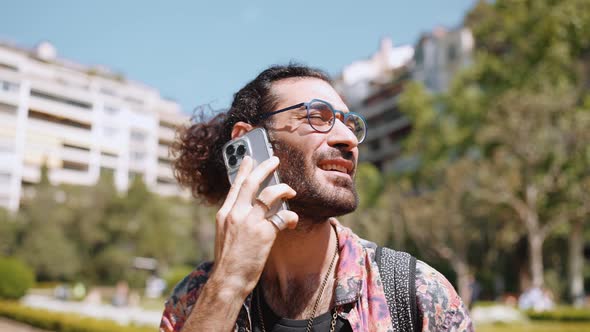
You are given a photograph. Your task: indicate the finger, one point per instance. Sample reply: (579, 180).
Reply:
(291, 219)
(269, 197)
(252, 182)
(244, 170)
(234, 190)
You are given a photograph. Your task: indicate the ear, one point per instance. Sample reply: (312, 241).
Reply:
(240, 128)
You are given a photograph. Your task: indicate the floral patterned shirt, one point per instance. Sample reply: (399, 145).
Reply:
(359, 293)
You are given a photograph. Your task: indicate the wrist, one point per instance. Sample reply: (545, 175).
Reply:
(229, 288)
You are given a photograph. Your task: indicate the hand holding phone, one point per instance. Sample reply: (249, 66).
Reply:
(255, 144)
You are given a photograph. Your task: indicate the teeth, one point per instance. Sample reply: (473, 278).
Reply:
(333, 167)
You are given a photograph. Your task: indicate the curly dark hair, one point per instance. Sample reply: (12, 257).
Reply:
(196, 152)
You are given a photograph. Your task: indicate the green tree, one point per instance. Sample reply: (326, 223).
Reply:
(535, 51)
(44, 245)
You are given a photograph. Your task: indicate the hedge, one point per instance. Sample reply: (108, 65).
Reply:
(16, 278)
(564, 314)
(174, 276)
(62, 322)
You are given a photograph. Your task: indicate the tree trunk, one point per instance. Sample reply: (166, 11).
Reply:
(463, 279)
(576, 263)
(535, 240)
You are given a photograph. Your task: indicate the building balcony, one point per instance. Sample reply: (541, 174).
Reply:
(9, 97)
(108, 161)
(68, 89)
(7, 161)
(31, 173)
(166, 134)
(71, 177)
(80, 136)
(164, 171)
(162, 151)
(167, 189)
(387, 152)
(61, 110)
(370, 111)
(75, 155)
(387, 128)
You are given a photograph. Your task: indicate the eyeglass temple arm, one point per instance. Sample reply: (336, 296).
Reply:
(266, 115)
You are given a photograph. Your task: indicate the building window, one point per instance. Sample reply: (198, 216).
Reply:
(163, 181)
(9, 86)
(167, 125)
(59, 99)
(8, 67)
(109, 131)
(138, 136)
(108, 92)
(164, 161)
(75, 147)
(108, 154)
(137, 156)
(375, 145)
(6, 145)
(452, 53)
(57, 120)
(4, 177)
(75, 166)
(9, 109)
(111, 110)
(134, 100)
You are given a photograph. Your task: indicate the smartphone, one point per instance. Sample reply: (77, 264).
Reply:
(255, 144)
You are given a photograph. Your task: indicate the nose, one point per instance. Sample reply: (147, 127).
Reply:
(342, 137)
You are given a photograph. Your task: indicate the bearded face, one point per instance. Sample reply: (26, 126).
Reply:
(320, 194)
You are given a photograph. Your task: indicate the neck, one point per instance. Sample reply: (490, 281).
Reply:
(297, 264)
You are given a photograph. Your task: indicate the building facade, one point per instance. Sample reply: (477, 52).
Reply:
(440, 54)
(79, 120)
(372, 87)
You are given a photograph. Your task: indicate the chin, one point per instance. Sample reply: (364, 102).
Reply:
(320, 202)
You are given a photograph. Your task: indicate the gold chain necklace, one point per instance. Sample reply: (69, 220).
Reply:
(317, 301)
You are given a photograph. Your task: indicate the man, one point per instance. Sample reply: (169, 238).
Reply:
(299, 270)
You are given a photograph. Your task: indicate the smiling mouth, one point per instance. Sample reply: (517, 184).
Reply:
(333, 167)
(340, 166)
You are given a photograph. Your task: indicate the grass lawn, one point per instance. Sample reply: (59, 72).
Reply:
(536, 327)
(152, 304)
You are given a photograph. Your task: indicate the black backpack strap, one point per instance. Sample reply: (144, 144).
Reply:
(398, 275)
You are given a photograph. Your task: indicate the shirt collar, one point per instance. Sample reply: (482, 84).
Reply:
(349, 274)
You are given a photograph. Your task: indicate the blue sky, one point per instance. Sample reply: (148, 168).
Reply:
(199, 52)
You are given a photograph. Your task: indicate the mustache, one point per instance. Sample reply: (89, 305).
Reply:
(335, 154)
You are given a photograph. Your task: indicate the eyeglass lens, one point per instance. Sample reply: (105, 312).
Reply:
(321, 118)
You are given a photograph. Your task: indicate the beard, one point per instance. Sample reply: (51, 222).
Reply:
(315, 201)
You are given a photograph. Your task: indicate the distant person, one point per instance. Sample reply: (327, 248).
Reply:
(537, 299)
(474, 290)
(121, 296)
(297, 269)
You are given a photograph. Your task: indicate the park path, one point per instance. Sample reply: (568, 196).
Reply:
(7, 325)
(121, 315)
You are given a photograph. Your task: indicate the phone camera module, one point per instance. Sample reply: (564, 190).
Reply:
(230, 150)
(241, 150)
(232, 161)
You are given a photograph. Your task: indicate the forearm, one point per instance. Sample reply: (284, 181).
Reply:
(217, 307)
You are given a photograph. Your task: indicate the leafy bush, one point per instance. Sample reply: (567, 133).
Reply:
(61, 322)
(564, 313)
(16, 278)
(175, 275)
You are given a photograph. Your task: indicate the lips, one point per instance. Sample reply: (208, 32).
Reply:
(337, 165)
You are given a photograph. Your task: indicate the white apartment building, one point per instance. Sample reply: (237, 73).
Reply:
(372, 87)
(440, 54)
(79, 120)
